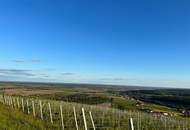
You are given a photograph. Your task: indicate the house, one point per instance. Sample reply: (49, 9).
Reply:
(186, 113)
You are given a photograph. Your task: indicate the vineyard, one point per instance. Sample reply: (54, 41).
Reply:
(74, 116)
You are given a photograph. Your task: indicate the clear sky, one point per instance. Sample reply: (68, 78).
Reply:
(129, 42)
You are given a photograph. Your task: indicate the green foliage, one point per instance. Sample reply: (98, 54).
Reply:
(83, 98)
(123, 104)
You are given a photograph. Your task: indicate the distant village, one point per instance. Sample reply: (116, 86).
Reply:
(185, 113)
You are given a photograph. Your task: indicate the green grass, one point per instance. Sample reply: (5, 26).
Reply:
(123, 104)
(11, 119)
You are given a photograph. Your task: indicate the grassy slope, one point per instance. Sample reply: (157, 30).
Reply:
(16, 120)
(104, 119)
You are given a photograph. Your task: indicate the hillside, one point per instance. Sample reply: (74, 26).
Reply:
(103, 118)
(15, 120)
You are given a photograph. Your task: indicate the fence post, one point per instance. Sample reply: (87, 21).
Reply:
(11, 102)
(5, 97)
(61, 113)
(41, 113)
(84, 118)
(27, 103)
(22, 101)
(13, 105)
(1, 99)
(18, 103)
(74, 111)
(50, 114)
(131, 124)
(92, 120)
(7, 100)
(33, 108)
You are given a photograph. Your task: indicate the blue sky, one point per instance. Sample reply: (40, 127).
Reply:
(128, 42)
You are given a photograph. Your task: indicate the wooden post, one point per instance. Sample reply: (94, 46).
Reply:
(131, 124)
(75, 115)
(11, 102)
(41, 113)
(61, 113)
(15, 103)
(27, 103)
(50, 114)
(18, 103)
(6, 100)
(33, 108)
(22, 101)
(92, 120)
(3, 99)
(84, 118)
